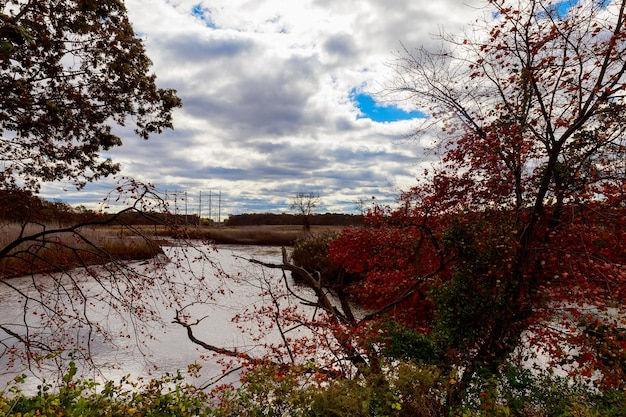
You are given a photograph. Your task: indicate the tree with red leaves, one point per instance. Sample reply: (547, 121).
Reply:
(513, 245)
(518, 235)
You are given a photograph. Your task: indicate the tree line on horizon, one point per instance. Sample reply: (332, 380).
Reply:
(20, 205)
(284, 219)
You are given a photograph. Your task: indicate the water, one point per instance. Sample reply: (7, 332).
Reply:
(168, 349)
(243, 291)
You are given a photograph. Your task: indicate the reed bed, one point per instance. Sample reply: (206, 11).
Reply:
(252, 235)
(265, 235)
(59, 251)
(100, 245)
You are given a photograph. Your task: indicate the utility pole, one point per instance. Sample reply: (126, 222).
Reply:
(167, 207)
(200, 209)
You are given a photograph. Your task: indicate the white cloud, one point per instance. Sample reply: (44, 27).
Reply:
(266, 89)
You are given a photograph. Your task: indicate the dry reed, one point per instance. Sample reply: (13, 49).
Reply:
(58, 251)
(266, 235)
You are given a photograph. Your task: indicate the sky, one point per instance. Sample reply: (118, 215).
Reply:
(280, 97)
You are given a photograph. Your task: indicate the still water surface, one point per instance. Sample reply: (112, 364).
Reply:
(170, 350)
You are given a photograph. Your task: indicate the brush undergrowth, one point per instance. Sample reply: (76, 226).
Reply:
(168, 396)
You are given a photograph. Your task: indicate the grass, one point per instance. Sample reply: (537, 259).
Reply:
(92, 246)
(247, 235)
(61, 251)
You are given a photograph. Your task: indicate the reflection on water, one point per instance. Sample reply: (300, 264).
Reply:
(168, 349)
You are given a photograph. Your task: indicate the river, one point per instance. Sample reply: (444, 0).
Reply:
(168, 348)
(245, 290)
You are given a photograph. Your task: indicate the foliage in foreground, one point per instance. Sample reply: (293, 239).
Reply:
(403, 388)
(166, 396)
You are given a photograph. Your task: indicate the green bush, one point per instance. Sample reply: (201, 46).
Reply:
(267, 390)
(395, 341)
(168, 396)
(311, 253)
(520, 392)
(394, 388)
(403, 389)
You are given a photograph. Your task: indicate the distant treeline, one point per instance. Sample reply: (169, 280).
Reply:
(328, 219)
(22, 207)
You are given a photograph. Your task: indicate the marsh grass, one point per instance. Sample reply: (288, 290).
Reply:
(267, 235)
(100, 245)
(59, 251)
(255, 235)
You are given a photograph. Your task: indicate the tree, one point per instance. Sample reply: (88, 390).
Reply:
(68, 70)
(305, 204)
(522, 224)
(517, 239)
(72, 276)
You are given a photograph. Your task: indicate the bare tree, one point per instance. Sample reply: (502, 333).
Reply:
(77, 288)
(305, 204)
(318, 323)
(70, 72)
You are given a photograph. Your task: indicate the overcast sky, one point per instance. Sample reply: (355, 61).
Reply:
(279, 97)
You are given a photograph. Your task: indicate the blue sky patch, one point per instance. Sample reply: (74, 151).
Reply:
(204, 14)
(378, 112)
(561, 9)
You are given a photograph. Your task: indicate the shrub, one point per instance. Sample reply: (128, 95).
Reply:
(311, 253)
(267, 390)
(168, 396)
(403, 388)
(395, 341)
(397, 388)
(518, 391)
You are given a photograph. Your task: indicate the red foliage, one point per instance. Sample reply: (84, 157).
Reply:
(572, 274)
(518, 235)
(522, 225)
(392, 254)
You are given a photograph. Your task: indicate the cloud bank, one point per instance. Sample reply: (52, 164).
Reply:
(280, 97)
